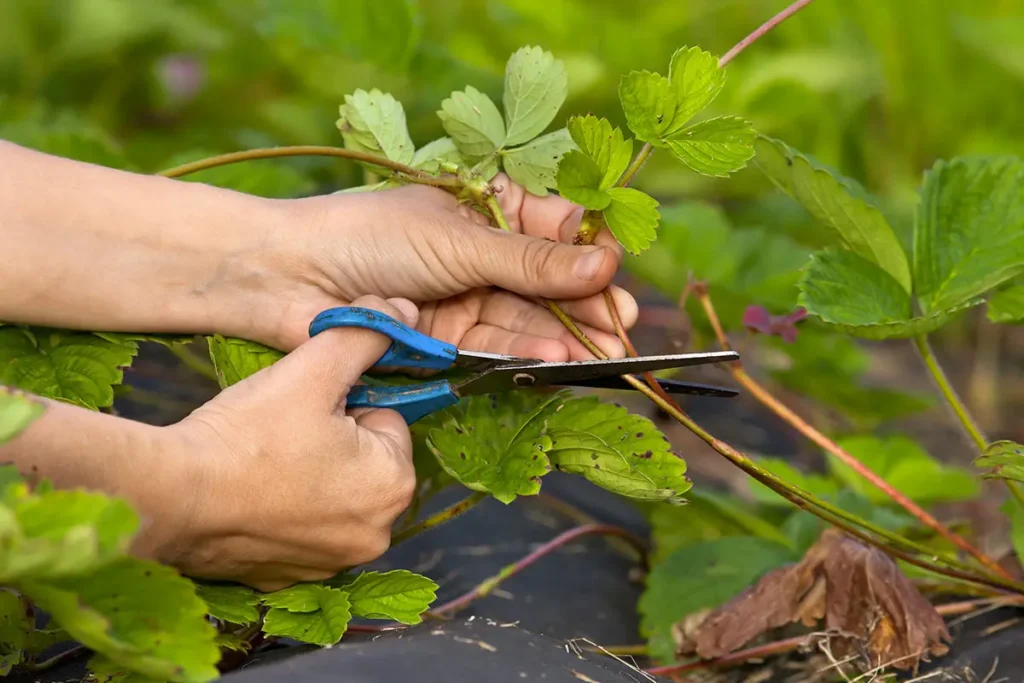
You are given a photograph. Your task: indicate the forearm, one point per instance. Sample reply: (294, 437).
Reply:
(89, 247)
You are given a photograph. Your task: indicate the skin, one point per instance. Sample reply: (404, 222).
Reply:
(274, 482)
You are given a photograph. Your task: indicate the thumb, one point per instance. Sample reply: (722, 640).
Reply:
(532, 266)
(327, 366)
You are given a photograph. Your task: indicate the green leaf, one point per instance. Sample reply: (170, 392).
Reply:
(842, 287)
(649, 104)
(473, 122)
(536, 85)
(61, 533)
(696, 82)
(76, 367)
(1005, 458)
(104, 670)
(14, 628)
(1007, 305)
(399, 595)
(604, 144)
(497, 446)
(17, 412)
(236, 359)
(633, 217)
(535, 164)
(657, 107)
(308, 613)
(969, 232)
(832, 201)
(430, 156)
(905, 465)
(230, 603)
(1013, 509)
(618, 451)
(579, 180)
(715, 147)
(139, 614)
(375, 122)
(854, 295)
(702, 575)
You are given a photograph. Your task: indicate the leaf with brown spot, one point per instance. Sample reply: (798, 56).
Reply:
(858, 590)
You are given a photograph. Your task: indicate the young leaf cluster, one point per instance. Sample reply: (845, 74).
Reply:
(660, 110)
(968, 240)
(481, 139)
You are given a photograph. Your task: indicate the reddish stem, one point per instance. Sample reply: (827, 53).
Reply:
(761, 30)
(738, 657)
(768, 400)
(620, 330)
(555, 543)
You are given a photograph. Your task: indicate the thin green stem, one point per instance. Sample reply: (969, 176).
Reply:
(439, 518)
(959, 409)
(634, 166)
(404, 171)
(802, 499)
(932, 363)
(193, 362)
(488, 585)
(491, 202)
(784, 412)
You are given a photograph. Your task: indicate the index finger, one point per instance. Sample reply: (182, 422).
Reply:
(550, 217)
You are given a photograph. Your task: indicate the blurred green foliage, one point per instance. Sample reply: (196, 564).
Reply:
(877, 89)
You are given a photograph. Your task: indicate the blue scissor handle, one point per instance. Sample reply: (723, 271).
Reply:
(409, 348)
(414, 401)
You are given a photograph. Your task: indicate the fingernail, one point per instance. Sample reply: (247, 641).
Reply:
(589, 263)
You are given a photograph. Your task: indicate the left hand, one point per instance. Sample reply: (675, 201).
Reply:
(476, 286)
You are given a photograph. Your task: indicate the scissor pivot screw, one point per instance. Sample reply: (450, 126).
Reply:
(524, 379)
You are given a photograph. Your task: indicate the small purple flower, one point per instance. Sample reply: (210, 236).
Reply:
(758, 319)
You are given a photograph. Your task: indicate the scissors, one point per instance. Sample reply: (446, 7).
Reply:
(493, 373)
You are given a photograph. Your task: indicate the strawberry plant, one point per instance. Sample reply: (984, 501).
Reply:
(62, 552)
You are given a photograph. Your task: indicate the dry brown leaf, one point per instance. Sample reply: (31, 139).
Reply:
(858, 590)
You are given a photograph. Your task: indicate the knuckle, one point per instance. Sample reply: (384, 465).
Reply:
(371, 548)
(399, 488)
(539, 257)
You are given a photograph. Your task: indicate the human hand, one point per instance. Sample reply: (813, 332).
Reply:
(293, 487)
(476, 286)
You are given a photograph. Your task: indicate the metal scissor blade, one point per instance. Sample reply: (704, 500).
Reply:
(480, 361)
(671, 386)
(532, 374)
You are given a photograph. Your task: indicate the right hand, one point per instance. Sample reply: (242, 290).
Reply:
(293, 487)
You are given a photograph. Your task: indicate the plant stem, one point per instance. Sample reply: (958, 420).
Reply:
(738, 657)
(57, 659)
(700, 290)
(555, 543)
(932, 363)
(439, 518)
(761, 30)
(619, 650)
(491, 202)
(406, 172)
(620, 331)
(641, 158)
(634, 166)
(193, 362)
(626, 549)
(963, 415)
(802, 499)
